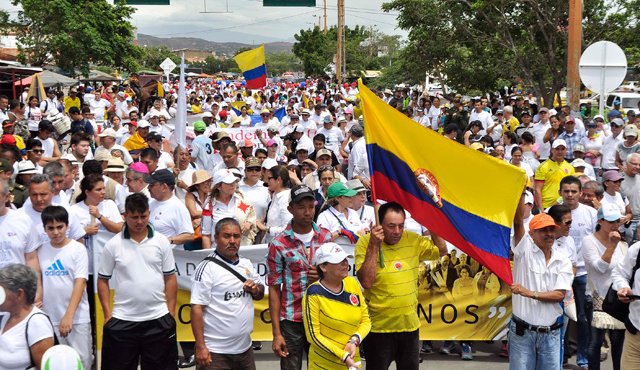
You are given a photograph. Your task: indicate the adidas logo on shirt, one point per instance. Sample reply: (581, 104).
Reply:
(56, 269)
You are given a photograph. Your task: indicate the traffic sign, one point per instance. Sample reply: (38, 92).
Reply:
(603, 67)
(167, 66)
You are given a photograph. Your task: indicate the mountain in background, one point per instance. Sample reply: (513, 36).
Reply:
(227, 49)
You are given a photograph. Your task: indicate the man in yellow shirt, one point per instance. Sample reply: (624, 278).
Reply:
(387, 262)
(549, 175)
(72, 100)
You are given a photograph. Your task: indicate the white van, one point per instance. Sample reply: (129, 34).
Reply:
(627, 100)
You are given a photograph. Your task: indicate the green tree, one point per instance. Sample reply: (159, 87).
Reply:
(317, 50)
(153, 56)
(279, 63)
(471, 44)
(76, 34)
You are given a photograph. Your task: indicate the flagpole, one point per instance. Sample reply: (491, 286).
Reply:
(180, 131)
(374, 197)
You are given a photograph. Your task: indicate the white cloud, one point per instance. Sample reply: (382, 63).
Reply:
(248, 21)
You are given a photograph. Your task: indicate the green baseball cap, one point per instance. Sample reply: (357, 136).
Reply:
(338, 189)
(5, 166)
(199, 126)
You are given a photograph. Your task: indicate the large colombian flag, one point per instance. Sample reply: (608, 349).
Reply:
(253, 66)
(467, 197)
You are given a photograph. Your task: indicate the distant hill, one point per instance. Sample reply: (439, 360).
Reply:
(220, 48)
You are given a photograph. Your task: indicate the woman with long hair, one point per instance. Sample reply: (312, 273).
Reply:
(195, 199)
(94, 212)
(472, 134)
(278, 216)
(33, 114)
(602, 251)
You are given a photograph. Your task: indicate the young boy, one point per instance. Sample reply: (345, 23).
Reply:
(64, 264)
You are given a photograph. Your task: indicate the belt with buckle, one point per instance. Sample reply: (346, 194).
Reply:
(537, 328)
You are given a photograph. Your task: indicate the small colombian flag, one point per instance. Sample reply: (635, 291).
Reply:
(253, 66)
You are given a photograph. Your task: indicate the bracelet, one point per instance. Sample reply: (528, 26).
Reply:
(100, 218)
(346, 357)
(535, 295)
(355, 340)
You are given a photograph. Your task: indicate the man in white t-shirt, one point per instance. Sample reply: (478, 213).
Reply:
(169, 216)
(99, 106)
(15, 234)
(222, 302)
(140, 263)
(481, 115)
(583, 223)
(65, 266)
(333, 135)
(41, 195)
(202, 148)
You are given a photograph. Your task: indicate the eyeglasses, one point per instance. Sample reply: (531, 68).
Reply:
(37, 151)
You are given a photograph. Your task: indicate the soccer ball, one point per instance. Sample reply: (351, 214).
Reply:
(61, 357)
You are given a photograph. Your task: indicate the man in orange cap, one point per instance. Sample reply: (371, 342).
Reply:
(541, 277)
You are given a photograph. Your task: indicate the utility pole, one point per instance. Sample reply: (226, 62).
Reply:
(574, 49)
(325, 18)
(340, 51)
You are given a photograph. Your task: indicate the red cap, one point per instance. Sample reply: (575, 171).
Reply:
(8, 140)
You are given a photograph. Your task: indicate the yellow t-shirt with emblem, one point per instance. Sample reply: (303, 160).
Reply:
(552, 173)
(393, 297)
(330, 319)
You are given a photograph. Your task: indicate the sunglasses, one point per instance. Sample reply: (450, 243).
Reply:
(37, 151)
(253, 169)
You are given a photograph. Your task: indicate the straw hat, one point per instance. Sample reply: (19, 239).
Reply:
(199, 177)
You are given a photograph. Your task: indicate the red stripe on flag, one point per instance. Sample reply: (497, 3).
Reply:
(432, 218)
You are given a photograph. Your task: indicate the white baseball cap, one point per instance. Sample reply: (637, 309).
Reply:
(224, 175)
(559, 142)
(143, 123)
(268, 163)
(331, 253)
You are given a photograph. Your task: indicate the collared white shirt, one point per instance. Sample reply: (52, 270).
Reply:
(359, 160)
(531, 270)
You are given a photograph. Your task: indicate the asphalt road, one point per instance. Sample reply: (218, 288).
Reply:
(484, 357)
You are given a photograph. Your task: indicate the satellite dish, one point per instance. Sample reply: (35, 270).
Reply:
(603, 67)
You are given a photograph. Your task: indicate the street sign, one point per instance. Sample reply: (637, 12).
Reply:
(289, 3)
(167, 66)
(603, 67)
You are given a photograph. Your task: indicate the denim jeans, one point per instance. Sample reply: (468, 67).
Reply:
(597, 337)
(534, 351)
(584, 308)
(297, 345)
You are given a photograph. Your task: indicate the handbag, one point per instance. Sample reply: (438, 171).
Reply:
(612, 305)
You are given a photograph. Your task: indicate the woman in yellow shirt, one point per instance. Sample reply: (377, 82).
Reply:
(335, 313)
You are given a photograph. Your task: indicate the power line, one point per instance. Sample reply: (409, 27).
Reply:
(372, 20)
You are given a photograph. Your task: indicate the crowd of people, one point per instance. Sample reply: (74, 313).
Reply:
(93, 192)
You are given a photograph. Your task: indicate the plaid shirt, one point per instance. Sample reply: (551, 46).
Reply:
(288, 262)
(572, 140)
